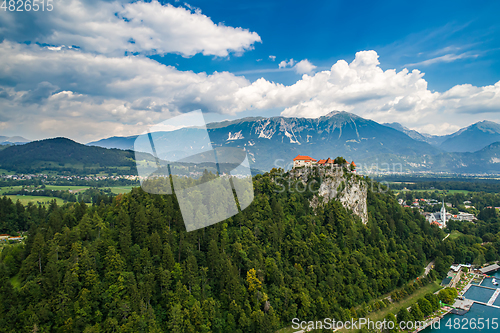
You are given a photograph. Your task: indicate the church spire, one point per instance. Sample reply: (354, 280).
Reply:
(443, 214)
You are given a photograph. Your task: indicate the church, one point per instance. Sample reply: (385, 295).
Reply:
(438, 218)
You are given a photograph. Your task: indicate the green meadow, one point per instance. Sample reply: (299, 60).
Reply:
(25, 199)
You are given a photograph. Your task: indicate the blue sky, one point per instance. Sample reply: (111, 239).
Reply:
(402, 33)
(94, 68)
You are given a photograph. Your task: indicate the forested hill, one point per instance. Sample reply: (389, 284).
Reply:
(129, 266)
(63, 154)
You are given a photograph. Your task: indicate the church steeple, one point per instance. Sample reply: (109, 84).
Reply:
(443, 214)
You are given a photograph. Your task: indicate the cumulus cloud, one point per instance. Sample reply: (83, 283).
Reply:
(304, 66)
(78, 87)
(273, 58)
(115, 27)
(301, 67)
(362, 87)
(88, 96)
(286, 63)
(42, 91)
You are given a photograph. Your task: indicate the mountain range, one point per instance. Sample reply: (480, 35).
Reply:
(468, 139)
(274, 142)
(13, 140)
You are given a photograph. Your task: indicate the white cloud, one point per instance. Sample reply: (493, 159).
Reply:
(285, 63)
(362, 87)
(273, 58)
(115, 27)
(304, 66)
(86, 96)
(84, 88)
(301, 67)
(444, 58)
(438, 128)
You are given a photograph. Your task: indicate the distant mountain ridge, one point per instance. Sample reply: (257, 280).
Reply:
(468, 139)
(13, 140)
(434, 140)
(119, 142)
(275, 141)
(472, 138)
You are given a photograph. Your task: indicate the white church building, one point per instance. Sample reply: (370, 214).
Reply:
(438, 218)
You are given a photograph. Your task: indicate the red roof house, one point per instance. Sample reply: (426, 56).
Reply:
(303, 160)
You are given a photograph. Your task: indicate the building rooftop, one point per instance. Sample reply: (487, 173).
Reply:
(304, 158)
(490, 268)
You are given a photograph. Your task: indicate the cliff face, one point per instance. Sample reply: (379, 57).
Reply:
(338, 184)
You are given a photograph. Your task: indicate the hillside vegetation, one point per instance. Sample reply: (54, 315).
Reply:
(61, 154)
(129, 266)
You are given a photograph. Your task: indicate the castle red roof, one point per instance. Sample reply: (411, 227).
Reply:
(321, 161)
(304, 158)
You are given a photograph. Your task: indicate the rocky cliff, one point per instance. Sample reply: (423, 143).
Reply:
(337, 184)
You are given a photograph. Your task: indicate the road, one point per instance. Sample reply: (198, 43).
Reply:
(428, 268)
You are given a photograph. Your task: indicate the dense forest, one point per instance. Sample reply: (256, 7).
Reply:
(128, 265)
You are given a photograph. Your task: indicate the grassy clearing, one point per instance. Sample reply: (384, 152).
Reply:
(25, 199)
(9, 188)
(48, 187)
(121, 189)
(5, 172)
(65, 188)
(455, 234)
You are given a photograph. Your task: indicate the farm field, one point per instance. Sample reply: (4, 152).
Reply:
(9, 188)
(75, 189)
(121, 189)
(62, 188)
(25, 199)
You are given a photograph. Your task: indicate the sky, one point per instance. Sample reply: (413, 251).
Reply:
(91, 69)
